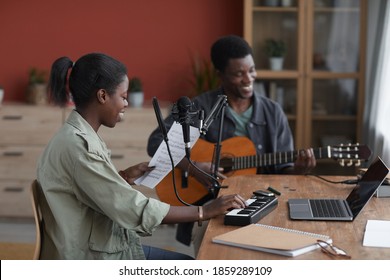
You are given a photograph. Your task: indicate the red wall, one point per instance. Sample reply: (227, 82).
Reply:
(154, 38)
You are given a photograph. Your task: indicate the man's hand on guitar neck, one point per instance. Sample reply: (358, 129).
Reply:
(304, 163)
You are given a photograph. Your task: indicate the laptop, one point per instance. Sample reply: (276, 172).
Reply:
(341, 209)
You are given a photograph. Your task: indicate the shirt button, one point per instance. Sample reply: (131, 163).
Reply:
(259, 147)
(251, 125)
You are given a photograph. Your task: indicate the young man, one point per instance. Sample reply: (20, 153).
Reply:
(249, 114)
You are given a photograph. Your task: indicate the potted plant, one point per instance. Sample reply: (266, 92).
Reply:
(275, 50)
(37, 87)
(204, 77)
(135, 92)
(271, 3)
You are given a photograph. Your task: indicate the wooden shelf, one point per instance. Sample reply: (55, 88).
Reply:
(333, 118)
(275, 9)
(284, 74)
(316, 70)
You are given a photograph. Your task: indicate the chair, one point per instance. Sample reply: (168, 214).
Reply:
(37, 217)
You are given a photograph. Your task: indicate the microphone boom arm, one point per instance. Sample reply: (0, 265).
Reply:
(217, 110)
(221, 103)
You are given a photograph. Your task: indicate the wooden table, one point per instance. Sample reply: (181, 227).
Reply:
(346, 235)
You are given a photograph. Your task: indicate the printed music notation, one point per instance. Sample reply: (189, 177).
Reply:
(161, 159)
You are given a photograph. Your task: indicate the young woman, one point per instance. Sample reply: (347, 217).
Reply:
(90, 210)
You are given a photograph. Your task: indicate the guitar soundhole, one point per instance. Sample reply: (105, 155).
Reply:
(227, 163)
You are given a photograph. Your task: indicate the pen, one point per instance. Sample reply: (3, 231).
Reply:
(271, 189)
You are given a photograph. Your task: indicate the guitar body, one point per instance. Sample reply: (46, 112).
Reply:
(190, 190)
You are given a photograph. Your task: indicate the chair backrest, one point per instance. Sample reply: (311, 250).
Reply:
(38, 218)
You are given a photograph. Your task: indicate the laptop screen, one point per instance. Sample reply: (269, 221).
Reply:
(366, 186)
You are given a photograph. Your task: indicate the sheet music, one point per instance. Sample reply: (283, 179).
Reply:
(161, 159)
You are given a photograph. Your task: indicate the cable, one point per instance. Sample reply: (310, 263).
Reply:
(173, 176)
(349, 182)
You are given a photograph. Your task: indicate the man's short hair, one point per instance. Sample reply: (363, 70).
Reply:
(228, 47)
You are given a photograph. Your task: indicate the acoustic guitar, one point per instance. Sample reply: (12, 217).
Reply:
(238, 157)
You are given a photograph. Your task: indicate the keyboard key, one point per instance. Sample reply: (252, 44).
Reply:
(257, 208)
(326, 208)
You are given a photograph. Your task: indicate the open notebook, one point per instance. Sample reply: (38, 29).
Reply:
(271, 239)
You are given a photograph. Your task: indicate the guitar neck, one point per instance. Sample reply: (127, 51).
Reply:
(275, 158)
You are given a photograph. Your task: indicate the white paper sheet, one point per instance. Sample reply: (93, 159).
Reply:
(377, 234)
(161, 159)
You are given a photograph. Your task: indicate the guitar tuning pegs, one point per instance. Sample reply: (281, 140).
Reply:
(358, 162)
(342, 163)
(350, 163)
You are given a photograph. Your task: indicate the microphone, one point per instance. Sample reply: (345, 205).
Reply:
(181, 112)
(163, 130)
(161, 124)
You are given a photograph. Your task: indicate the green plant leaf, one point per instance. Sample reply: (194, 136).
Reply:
(37, 76)
(204, 76)
(275, 48)
(135, 85)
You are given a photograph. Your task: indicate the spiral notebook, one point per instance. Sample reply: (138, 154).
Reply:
(271, 239)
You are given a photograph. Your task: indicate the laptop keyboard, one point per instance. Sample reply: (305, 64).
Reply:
(326, 208)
